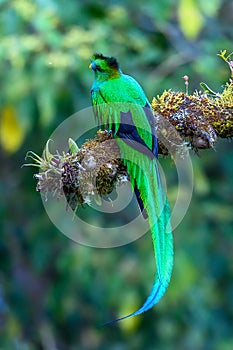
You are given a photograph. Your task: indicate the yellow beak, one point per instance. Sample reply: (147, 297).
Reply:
(90, 66)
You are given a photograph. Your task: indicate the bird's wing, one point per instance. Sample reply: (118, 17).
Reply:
(121, 105)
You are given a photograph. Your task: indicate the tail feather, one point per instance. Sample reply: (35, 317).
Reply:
(149, 303)
(140, 203)
(151, 197)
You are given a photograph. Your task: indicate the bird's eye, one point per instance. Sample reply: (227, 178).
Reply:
(98, 68)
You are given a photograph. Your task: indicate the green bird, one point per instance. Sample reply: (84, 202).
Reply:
(122, 108)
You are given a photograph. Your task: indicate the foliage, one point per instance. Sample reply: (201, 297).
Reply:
(55, 293)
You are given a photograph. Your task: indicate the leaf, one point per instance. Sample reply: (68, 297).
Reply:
(190, 18)
(47, 155)
(11, 131)
(222, 54)
(207, 89)
(73, 147)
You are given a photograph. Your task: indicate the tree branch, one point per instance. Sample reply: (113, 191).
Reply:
(93, 171)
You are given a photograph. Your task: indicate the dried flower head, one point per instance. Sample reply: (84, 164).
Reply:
(81, 174)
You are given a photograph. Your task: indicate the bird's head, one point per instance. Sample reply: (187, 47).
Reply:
(104, 67)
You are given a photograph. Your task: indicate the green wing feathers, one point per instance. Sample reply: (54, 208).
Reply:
(120, 96)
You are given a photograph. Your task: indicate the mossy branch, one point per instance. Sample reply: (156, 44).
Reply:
(94, 170)
(199, 118)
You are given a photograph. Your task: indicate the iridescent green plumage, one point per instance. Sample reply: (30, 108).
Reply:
(121, 106)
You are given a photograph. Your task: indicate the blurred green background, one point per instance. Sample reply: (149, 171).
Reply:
(55, 293)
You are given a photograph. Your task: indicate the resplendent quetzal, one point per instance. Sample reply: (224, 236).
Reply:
(122, 107)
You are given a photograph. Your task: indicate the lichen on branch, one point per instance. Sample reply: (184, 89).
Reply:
(199, 119)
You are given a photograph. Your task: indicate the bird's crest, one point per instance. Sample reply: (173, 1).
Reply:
(111, 61)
